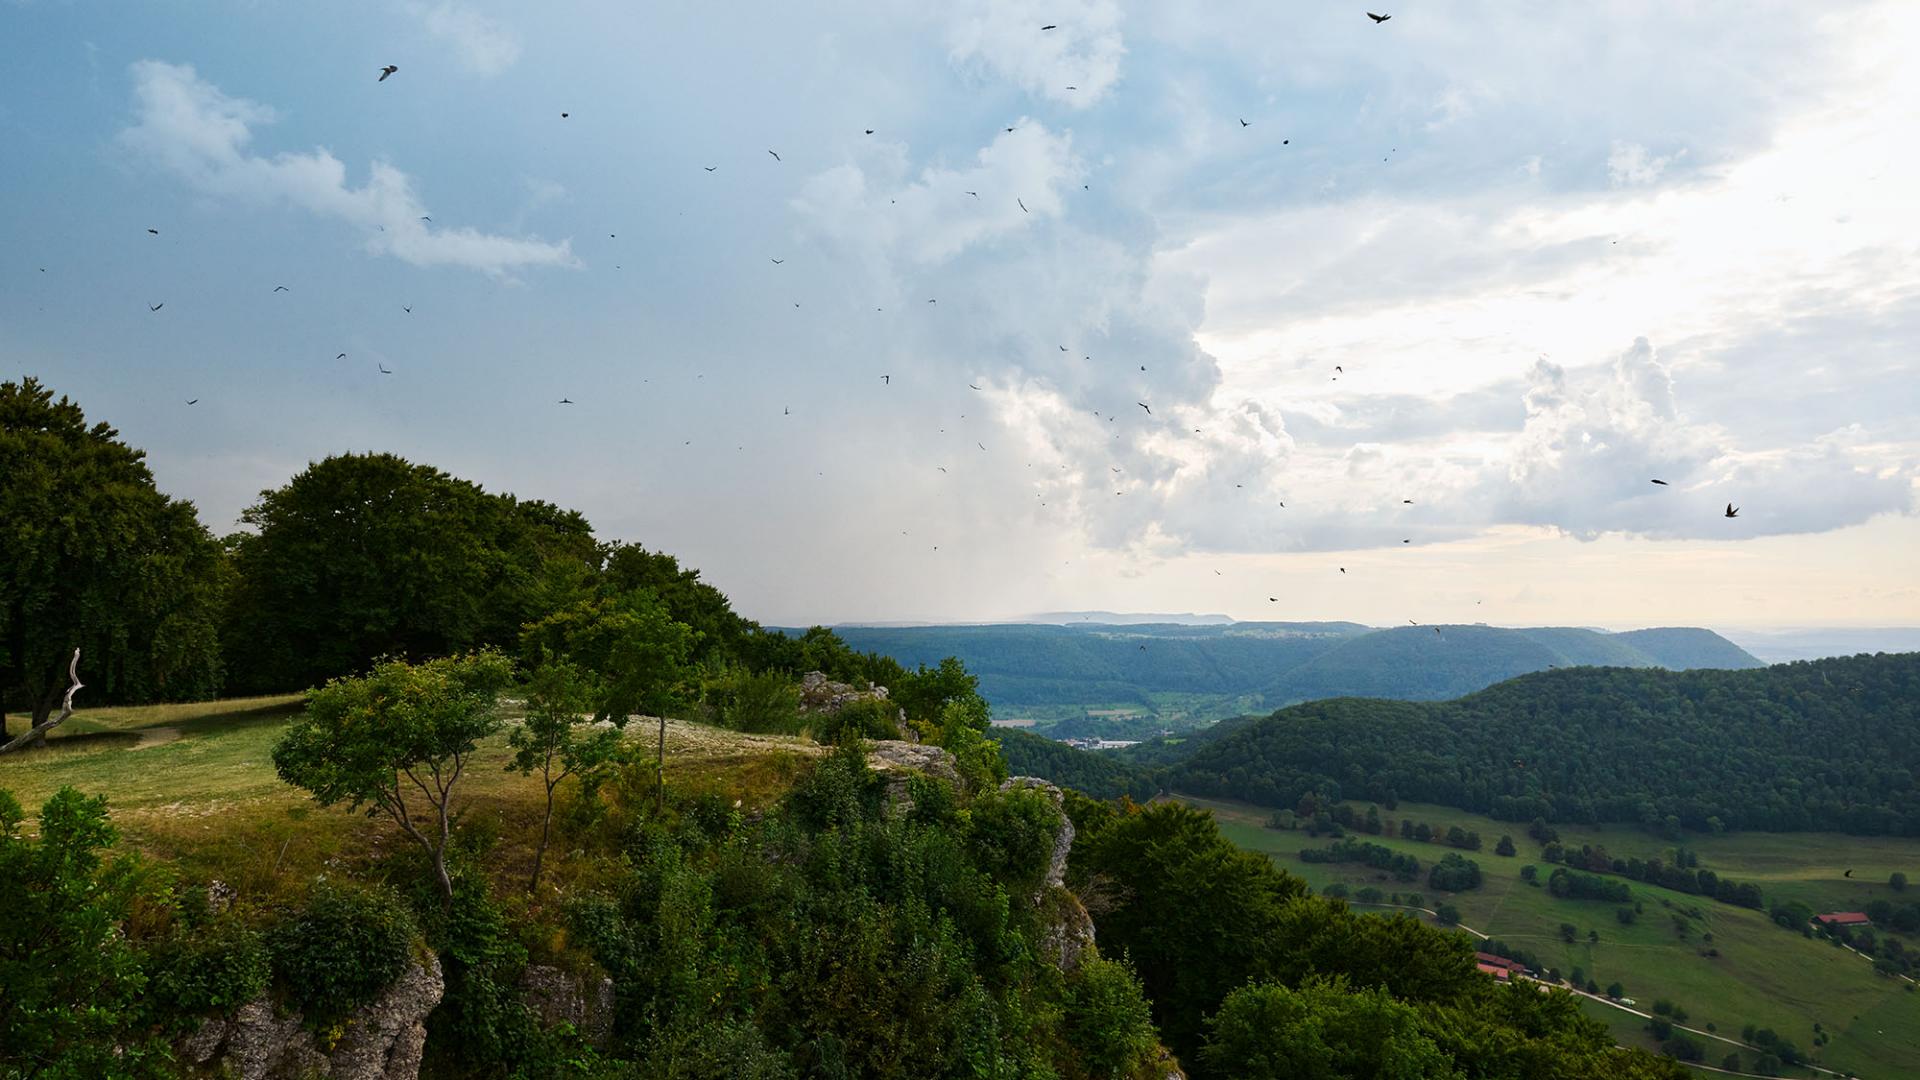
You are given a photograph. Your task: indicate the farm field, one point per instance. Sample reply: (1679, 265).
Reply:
(1762, 975)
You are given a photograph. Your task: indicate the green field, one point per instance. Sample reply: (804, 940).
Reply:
(1764, 975)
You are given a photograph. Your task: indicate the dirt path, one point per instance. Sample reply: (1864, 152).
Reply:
(155, 736)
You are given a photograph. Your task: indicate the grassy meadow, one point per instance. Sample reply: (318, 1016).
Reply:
(1763, 975)
(194, 784)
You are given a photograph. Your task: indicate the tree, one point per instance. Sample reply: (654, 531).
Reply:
(1897, 881)
(1568, 932)
(1615, 990)
(634, 648)
(94, 557)
(1505, 846)
(369, 555)
(559, 699)
(376, 739)
(1323, 1029)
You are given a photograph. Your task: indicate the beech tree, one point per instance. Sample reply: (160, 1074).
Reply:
(397, 737)
(94, 557)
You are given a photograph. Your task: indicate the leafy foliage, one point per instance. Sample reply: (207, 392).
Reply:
(93, 557)
(70, 981)
(368, 555)
(342, 948)
(1827, 744)
(1323, 1030)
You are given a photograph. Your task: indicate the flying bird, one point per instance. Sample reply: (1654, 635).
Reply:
(563, 116)
(1143, 405)
(1732, 510)
(155, 232)
(942, 468)
(280, 288)
(1378, 19)
(424, 217)
(386, 71)
(869, 131)
(383, 369)
(710, 168)
(196, 401)
(1243, 123)
(1662, 483)
(566, 401)
(406, 309)
(777, 262)
(163, 303)
(776, 157)
(1023, 206)
(1343, 569)
(972, 386)
(887, 379)
(975, 194)
(1051, 26)
(1848, 873)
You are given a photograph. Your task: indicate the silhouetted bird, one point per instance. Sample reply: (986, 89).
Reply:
(1378, 19)
(1051, 26)
(155, 232)
(777, 262)
(280, 288)
(566, 401)
(383, 369)
(1848, 873)
(1143, 405)
(1023, 206)
(386, 71)
(709, 168)
(196, 401)
(869, 131)
(1662, 483)
(342, 356)
(563, 116)
(1732, 510)
(776, 157)
(887, 379)
(163, 303)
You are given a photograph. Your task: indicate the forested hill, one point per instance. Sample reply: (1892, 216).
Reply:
(1033, 666)
(1817, 745)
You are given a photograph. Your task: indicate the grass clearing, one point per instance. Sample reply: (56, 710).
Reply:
(1763, 974)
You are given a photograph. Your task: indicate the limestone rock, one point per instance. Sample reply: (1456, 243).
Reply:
(820, 694)
(1066, 933)
(379, 1041)
(897, 761)
(557, 996)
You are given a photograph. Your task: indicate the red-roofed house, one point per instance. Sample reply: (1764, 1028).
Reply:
(1842, 918)
(1498, 966)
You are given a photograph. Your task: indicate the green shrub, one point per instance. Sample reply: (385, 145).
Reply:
(340, 950)
(210, 968)
(763, 703)
(864, 719)
(1010, 835)
(1108, 1022)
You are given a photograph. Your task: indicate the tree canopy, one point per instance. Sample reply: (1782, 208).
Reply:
(368, 555)
(94, 557)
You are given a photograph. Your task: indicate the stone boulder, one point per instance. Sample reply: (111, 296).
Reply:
(382, 1040)
(898, 761)
(1062, 836)
(819, 694)
(558, 996)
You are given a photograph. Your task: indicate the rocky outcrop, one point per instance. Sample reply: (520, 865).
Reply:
(819, 694)
(382, 1040)
(1066, 930)
(557, 996)
(897, 762)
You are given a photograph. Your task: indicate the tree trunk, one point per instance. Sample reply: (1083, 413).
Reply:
(540, 853)
(660, 768)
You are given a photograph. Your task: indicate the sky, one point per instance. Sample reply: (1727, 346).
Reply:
(1259, 309)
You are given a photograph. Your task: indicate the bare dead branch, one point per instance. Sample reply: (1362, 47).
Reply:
(36, 734)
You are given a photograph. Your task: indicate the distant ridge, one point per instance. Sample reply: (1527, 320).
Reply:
(1193, 673)
(1121, 618)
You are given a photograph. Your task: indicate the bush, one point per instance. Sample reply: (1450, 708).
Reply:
(1010, 834)
(1684, 1048)
(1454, 873)
(1108, 1022)
(763, 703)
(1336, 890)
(864, 719)
(1447, 914)
(211, 968)
(344, 947)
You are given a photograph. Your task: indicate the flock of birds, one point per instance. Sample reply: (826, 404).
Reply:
(389, 70)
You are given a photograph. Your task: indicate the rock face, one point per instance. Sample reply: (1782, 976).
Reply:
(379, 1041)
(1067, 929)
(558, 996)
(820, 694)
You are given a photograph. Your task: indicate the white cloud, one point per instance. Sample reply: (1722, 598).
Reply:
(1630, 164)
(1005, 37)
(482, 44)
(187, 126)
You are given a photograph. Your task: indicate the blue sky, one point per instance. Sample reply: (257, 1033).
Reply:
(1549, 259)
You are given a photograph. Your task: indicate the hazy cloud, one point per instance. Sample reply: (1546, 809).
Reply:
(187, 126)
(483, 45)
(1005, 37)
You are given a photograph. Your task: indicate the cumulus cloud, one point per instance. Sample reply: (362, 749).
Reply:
(188, 127)
(1074, 64)
(483, 45)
